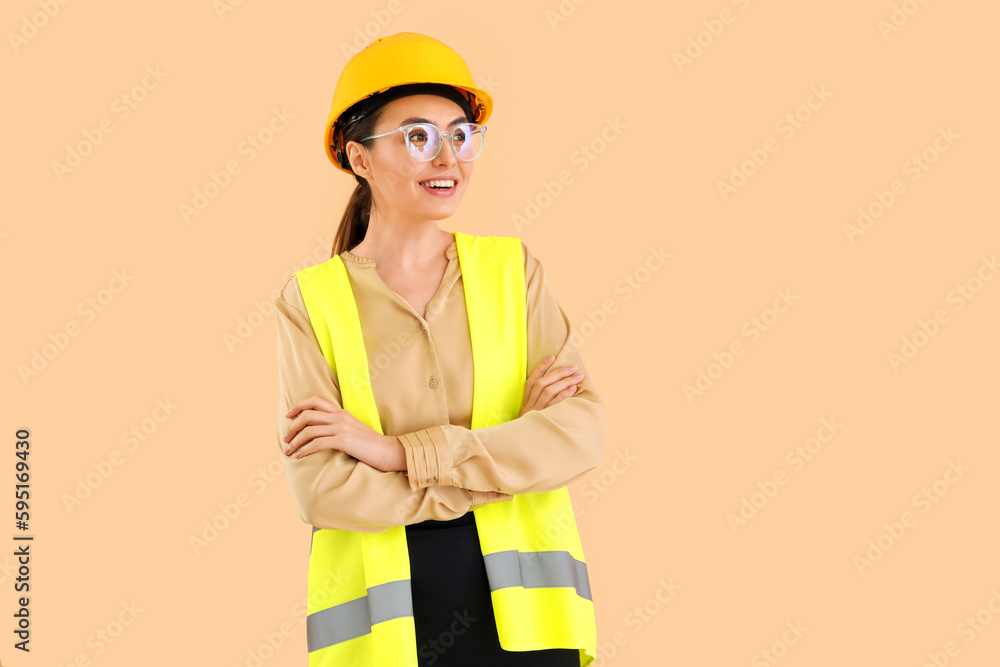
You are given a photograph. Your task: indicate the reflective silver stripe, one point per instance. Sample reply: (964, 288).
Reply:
(537, 569)
(356, 618)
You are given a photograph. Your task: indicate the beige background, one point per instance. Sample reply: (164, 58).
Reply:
(682, 129)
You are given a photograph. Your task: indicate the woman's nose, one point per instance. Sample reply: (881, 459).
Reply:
(447, 153)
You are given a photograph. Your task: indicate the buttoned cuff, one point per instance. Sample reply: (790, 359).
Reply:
(484, 497)
(428, 458)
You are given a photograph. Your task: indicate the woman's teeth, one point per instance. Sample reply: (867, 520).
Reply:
(439, 184)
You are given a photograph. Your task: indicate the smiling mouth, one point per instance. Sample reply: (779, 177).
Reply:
(439, 184)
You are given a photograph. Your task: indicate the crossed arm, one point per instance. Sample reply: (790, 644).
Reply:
(351, 477)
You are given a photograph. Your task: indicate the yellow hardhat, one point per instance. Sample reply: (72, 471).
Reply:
(397, 60)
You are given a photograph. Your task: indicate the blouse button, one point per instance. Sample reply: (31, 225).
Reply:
(433, 383)
(432, 480)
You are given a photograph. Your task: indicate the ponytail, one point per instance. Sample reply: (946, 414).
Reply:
(354, 222)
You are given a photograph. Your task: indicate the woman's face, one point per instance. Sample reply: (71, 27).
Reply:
(395, 177)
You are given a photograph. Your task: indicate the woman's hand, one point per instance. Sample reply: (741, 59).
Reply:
(543, 389)
(319, 424)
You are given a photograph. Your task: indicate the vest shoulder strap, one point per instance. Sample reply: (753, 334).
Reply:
(493, 278)
(333, 312)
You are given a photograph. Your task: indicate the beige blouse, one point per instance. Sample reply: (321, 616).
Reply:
(421, 375)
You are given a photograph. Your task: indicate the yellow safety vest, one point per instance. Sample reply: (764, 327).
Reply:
(359, 606)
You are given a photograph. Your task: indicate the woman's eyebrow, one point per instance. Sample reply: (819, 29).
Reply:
(416, 119)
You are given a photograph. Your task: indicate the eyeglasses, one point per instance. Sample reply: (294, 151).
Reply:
(424, 140)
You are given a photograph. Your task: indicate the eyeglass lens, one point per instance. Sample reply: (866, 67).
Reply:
(423, 141)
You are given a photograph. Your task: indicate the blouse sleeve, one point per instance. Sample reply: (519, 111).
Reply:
(539, 451)
(333, 489)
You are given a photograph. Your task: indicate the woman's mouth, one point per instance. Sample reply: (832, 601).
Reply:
(444, 187)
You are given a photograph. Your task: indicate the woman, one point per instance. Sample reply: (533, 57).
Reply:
(468, 526)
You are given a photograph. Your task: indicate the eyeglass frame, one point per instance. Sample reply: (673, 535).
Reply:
(441, 133)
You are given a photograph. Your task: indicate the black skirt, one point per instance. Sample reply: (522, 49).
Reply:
(452, 608)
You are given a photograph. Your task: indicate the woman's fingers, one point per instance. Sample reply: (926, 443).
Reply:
(301, 437)
(312, 445)
(311, 403)
(543, 389)
(560, 387)
(531, 395)
(315, 437)
(530, 389)
(303, 419)
(312, 410)
(316, 430)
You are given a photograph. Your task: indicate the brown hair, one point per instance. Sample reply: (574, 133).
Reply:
(354, 222)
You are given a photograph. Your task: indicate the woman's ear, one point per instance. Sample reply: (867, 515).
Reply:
(358, 157)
